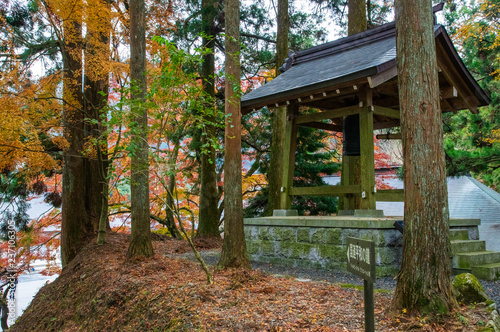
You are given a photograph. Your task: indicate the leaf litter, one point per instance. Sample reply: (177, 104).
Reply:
(99, 291)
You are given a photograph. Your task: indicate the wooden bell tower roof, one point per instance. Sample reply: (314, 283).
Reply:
(328, 76)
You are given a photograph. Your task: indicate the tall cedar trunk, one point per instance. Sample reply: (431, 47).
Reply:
(74, 215)
(208, 225)
(356, 17)
(351, 167)
(275, 173)
(424, 279)
(95, 100)
(234, 249)
(140, 241)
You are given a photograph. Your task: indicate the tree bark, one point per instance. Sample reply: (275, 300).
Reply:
(275, 173)
(356, 17)
(74, 215)
(234, 250)
(140, 241)
(208, 224)
(97, 55)
(424, 283)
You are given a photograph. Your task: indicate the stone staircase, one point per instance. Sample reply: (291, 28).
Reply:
(472, 256)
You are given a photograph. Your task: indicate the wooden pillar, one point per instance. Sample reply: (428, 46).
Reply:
(289, 156)
(367, 155)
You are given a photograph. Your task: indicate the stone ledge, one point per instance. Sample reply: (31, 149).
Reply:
(343, 222)
(323, 222)
(455, 222)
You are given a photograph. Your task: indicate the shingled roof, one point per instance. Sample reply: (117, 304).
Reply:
(360, 58)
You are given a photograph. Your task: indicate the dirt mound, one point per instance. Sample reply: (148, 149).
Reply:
(100, 291)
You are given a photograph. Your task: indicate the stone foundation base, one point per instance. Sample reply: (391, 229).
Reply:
(320, 242)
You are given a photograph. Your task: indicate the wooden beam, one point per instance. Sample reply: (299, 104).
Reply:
(389, 136)
(388, 112)
(386, 124)
(390, 195)
(452, 76)
(449, 93)
(382, 77)
(446, 105)
(289, 156)
(339, 112)
(326, 190)
(305, 97)
(323, 126)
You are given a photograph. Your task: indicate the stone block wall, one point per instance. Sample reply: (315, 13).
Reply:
(321, 243)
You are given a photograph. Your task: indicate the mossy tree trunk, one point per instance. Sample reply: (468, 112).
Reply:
(208, 225)
(74, 215)
(275, 173)
(234, 250)
(424, 283)
(140, 242)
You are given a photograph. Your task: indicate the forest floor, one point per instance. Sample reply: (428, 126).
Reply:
(99, 291)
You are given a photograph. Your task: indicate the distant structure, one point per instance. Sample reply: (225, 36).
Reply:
(467, 199)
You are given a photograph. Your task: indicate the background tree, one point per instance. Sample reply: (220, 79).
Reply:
(234, 250)
(424, 282)
(208, 224)
(274, 174)
(140, 241)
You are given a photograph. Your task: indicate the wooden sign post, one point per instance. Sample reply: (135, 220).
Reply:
(361, 262)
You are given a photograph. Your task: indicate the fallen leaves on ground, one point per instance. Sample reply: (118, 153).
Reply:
(99, 291)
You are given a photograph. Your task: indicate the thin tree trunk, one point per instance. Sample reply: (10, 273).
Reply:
(275, 173)
(140, 242)
(234, 249)
(103, 216)
(195, 251)
(208, 225)
(74, 215)
(169, 212)
(424, 283)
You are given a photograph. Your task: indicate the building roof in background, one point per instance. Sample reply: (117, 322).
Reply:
(467, 199)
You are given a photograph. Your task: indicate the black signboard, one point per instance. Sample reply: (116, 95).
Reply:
(361, 258)
(361, 262)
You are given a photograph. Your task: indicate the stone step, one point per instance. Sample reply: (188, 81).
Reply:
(459, 246)
(459, 234)
(487, 271)
(467, 260)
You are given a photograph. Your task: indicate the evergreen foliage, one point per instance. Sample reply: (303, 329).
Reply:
(472, 141)
(313, 160)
